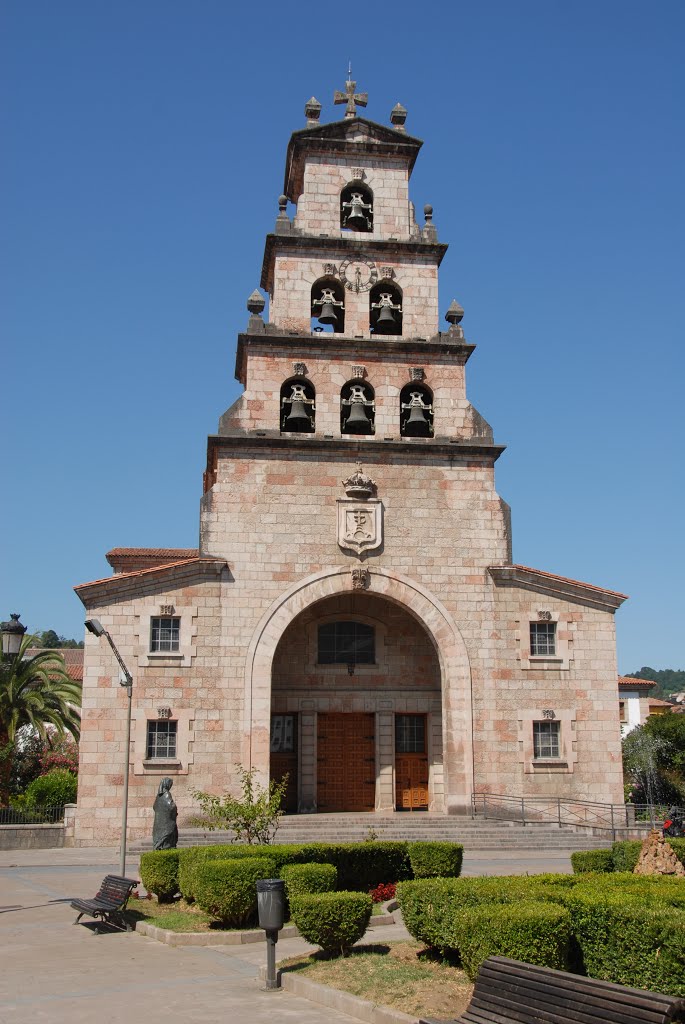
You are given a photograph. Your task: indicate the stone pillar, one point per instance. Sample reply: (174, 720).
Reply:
(385, 761)
(69, 824)
(308, 774)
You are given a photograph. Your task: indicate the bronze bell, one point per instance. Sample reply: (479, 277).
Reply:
(386, 323)
(358, 421)
(417, 423)
(356, 219)
(327, 314)
(298, 419)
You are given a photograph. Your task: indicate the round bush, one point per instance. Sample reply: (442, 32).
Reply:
(537, 933)
(305, 879)
(436, 860)
(159, 873)
(332, 920)
(583, 861)
(226, 890)
(56, 788)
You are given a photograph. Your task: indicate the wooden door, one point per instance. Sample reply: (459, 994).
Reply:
(283, 748)
(346, 762)
(411, 763)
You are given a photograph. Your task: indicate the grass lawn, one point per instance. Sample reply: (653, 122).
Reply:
(403, 974)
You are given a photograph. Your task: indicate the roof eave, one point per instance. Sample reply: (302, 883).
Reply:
(556, 586)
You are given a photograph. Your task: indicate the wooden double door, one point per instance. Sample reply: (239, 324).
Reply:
(411, 763)
(346, 762)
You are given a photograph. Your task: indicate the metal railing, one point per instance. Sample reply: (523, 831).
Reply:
(43, 814)
(541, 810)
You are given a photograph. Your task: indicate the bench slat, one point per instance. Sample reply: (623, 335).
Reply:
(523, 1007)
(585, 1006)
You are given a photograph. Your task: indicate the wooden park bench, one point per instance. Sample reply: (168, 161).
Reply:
(508, 991)
(109, 902)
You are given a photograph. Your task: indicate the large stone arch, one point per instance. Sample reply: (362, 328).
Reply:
(457, 714)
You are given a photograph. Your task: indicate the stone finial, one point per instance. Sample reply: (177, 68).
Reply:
(312, 111)
(430, 232)
(359, 485)
(398, 115)
(256, 303)
(455, 314)
(283, 222)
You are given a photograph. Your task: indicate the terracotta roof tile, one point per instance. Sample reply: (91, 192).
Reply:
(73, 659)
(633, 681)
(143, 572)
(567, 579)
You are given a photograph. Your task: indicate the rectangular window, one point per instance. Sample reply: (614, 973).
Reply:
(543, 639)
(164, 634)
(622, 711)
(546, 737)
(161, 739)
(410, 734)
(282, 734)
(346, 643)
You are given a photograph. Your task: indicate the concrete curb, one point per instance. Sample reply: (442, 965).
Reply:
(235, 938)
(345, 1002)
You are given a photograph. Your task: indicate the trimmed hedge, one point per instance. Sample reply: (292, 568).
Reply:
(306, 879)
(225, 889)
(332, 920)
(436, 860)
(583, 861)
(159, 873)
(362, 866)
(537, 933)
(190, 858)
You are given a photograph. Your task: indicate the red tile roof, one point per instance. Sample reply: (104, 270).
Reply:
(173, 554)
(567, 579)
(73, 658)
(142, 572)
(632, 681)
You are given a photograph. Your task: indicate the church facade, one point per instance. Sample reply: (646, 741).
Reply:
(353, 615)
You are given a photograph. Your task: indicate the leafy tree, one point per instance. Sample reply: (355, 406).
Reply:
(35, 756)
(254, 816)
(36, 692)
(654, 760)
(50, 640)
(668, 680)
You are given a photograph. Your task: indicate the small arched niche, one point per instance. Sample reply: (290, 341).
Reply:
(385, 308)
(356, 207)
(298, 406)
(328, 306)
(357, 408)
(416, 410)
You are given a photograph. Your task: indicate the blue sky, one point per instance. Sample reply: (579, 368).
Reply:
(144, 152)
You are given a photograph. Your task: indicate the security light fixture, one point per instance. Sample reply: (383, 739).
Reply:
(95, 627)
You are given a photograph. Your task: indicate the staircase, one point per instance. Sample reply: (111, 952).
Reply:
(473, 833)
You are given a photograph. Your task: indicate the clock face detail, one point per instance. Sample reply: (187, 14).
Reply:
(358, 274)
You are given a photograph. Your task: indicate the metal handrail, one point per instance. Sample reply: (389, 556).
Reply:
(541, 810)
(43, 814)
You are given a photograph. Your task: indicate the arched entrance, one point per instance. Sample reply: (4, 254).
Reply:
(361, 727)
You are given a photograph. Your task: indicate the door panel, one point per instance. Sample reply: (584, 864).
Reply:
(411, 782)
(346, 762)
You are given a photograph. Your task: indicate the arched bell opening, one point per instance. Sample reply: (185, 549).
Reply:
(357, 408)
(416, 411)
(385, 308)
(355, 708)
(328, 306)
(298, 406)
(356, 207)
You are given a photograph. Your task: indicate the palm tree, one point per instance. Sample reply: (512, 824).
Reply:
(38, 692)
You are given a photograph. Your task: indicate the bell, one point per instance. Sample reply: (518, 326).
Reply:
(327, 314)
(385, 324)
(298, 419)
(358, 421)
(356, 219)
(417, 423)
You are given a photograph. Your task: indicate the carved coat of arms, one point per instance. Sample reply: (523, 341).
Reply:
(359, 524)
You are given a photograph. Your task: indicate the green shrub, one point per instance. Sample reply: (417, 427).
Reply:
(190, 858)
(583, 861)
(305, 879)
(625, 854)
(537, 933)
(627, 941)
(679, 846)
(436, 860)
(55, 789)
(362, 866)
(159, 873)
(225, 889)
(332, 920)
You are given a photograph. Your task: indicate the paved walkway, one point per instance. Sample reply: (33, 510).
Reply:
(54, 972)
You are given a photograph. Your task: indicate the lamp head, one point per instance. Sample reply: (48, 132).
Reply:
(95, 627)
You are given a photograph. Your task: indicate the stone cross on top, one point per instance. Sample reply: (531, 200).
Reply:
(350, 97)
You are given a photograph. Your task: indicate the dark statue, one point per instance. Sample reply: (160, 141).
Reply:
(165, 830)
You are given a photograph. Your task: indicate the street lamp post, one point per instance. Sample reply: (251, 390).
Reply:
(95, 627)
(12, 635)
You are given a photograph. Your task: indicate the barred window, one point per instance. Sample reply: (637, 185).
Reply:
(543, 639)
(546, 737)
(410, 734)
(282, 734)
(161, 739)
(346, 643)
(165, 634)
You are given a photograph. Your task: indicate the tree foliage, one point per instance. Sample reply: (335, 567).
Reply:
(654, 760)
(50, 640)
(253, 816)
(35, 756)
(668, 680)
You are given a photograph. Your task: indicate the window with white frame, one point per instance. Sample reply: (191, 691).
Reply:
(543, 639)
(165, 635)
(546, 736)
(161, 739)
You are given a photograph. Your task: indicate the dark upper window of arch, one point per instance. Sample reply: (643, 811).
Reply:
(297, 406)
(385, 308)
(346, 643)
(356, 207)
(416, 410)
(328, 305)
